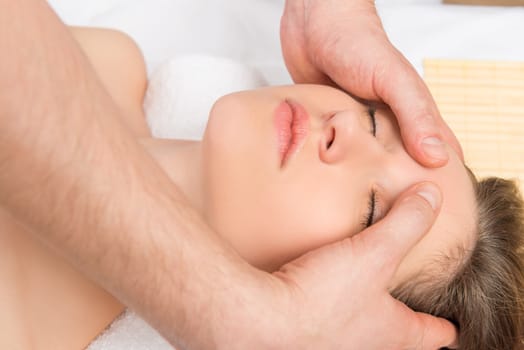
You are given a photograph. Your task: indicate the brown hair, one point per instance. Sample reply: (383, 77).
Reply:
(484, 298)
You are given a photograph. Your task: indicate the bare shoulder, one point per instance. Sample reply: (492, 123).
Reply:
(120, 66)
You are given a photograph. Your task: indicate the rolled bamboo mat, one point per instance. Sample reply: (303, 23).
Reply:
(483, 102)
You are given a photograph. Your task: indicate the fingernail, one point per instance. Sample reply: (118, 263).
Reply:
(434, 148)
(430, 193)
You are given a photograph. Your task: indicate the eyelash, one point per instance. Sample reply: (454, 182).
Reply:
(368, 220)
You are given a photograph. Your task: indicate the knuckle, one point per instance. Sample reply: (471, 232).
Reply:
(424, 123)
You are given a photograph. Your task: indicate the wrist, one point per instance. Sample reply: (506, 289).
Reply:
(255, 315)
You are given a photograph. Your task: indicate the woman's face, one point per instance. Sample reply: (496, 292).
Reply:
(346, 165)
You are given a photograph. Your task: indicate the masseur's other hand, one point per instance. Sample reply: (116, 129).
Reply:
(338, 295)
(343, 43)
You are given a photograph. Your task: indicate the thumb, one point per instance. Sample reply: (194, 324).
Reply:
(423, 130)
(387, 242)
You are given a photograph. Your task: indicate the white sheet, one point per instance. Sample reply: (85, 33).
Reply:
(247, 30)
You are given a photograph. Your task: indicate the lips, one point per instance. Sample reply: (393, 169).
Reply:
(292, 126)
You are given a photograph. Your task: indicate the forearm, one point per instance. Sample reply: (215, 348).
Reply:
(81, 182)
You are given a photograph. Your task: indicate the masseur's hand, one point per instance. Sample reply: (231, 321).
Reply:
(337, 297)
(343, 43)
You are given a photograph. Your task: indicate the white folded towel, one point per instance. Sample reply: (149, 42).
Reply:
(130, 332)
(182, 91)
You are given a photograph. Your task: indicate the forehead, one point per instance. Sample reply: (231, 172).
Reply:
(454, 230)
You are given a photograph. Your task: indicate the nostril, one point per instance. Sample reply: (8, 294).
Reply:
(331, 138)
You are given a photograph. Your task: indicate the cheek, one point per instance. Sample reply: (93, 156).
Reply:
(234, 170)
(268, 217)
(270, 222)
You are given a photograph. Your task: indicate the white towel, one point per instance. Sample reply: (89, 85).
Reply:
(130, 332)
(182, 91)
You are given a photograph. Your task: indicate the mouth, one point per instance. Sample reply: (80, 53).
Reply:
(292, 126)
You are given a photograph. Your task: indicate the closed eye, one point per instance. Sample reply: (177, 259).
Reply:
(368, 221)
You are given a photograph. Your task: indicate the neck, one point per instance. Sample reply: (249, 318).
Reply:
(181, 160)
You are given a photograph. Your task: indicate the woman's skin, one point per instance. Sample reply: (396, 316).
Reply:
(268, 213)
(273, 215)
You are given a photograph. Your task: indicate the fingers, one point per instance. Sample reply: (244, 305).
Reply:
(423, 130)
(421, 331)
(387, 242)
(436, 333)
(294, 48)
(320, 45)
(451, 139)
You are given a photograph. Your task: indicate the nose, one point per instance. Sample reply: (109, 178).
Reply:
(341, 134)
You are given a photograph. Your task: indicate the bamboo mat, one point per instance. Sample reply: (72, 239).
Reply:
(483, 102)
